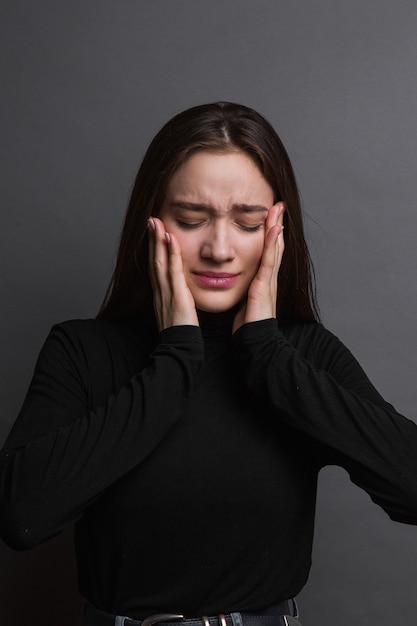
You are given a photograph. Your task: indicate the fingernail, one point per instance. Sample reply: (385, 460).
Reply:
(168, 237)
(151, 223)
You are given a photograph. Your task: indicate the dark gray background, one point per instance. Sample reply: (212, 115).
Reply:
(87, 84)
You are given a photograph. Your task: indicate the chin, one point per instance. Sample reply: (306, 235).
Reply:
(214, 304)
(212, 309)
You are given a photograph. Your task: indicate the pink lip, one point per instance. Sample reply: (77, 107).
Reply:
(216, 279)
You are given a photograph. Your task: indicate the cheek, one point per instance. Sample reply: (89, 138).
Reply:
(253, 252)
(188, 245)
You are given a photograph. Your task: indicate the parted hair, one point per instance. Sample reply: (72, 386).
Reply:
(217, 127)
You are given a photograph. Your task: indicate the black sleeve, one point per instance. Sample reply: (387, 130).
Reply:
(62, 453)
(316, 386)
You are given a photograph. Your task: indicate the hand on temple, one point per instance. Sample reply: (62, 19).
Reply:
(261, 301)
(173, 302)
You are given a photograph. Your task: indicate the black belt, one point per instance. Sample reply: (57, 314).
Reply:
(283, 614)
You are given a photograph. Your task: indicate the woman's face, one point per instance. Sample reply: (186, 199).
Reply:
(216, 205)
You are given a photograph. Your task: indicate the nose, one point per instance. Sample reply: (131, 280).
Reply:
(217, 245)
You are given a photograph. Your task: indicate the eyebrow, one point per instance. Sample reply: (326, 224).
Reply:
(200, 207)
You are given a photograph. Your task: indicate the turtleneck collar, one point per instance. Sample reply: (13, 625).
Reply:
(217, 324)
(212, 324)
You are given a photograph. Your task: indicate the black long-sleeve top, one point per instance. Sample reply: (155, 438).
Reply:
(188, 459)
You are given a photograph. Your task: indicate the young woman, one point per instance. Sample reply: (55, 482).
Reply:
(182, 430)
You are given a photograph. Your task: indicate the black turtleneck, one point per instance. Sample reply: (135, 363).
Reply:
(188, 459)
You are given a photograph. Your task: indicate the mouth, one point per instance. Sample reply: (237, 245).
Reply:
(216, 279)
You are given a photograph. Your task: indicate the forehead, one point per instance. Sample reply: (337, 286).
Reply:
(219, 179)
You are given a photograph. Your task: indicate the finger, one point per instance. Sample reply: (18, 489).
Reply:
(271, 248)
(269, 252)
(267, 267)
(160, 254)
(281, 240)
(281, 213)
(273, 228)
(153, 275)
(271, 218)
(151, 248)
(175, 264)
(184, 310)
(158, 267)
(273, 214)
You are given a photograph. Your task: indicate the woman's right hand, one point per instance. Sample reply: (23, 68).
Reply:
(173, 302)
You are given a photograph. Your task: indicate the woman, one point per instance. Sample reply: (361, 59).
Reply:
(184, 428)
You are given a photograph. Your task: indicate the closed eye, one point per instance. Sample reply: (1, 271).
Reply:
(192, 225)
(250, 229)
(188, 225)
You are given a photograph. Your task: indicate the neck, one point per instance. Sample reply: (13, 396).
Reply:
(217, 323)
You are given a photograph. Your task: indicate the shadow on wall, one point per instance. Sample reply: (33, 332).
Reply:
(39, 587)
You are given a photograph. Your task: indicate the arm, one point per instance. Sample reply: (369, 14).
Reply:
(63, 452)
(316, 386)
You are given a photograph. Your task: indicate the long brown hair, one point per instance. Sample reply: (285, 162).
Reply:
(218, 127)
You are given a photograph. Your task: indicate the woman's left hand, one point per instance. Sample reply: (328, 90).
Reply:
(261, 302)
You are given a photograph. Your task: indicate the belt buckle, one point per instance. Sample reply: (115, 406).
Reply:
(221, 618)
(161, 617)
